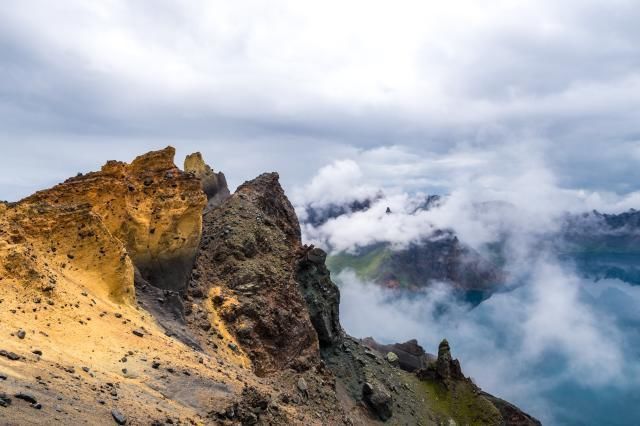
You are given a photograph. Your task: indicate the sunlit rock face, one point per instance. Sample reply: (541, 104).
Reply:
(42, 244)
(213, 184)
(150, 205)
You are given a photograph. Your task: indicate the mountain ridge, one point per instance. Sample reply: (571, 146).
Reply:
(130, 298)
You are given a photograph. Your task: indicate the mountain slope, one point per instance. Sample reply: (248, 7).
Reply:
(121, 304)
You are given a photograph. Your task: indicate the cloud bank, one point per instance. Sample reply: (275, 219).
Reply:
(487, 194)
(553, 342)
(290, 86)
(548, 346)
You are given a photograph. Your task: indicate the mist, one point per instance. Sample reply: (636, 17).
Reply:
(550, 341)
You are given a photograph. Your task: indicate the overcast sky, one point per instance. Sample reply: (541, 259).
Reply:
(294, 85)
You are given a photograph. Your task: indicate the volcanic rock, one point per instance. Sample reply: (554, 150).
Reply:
(150, 205)
(119, 418)
(320, 293)
(250, 242)
(5, 400)
(411, 356)
(26, 397)
(247, 299)
(512, 415)
(392, 358)
(10, 355)
(445, 369)
(379, 399)
(41, 230)
(213, 184)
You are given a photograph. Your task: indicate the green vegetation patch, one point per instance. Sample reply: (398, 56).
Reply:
(461, 403)
(366, 265)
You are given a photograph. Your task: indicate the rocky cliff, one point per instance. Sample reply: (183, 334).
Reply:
(440, 258)
(246, 267)
(150, 205)
(213, 184)
(123, 304)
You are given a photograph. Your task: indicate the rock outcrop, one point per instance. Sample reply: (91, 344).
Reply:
(320, 293)
(213, 184)
(150, 205)
(511, 415)
(42, 243)
(444, 369)
(411, 356)
(246, 264)
(464, 399)
(379, 399)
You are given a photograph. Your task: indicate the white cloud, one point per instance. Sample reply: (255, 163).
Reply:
(550, 331)
(337, 183)
(523, 195)
(528, 345)
(425, 74)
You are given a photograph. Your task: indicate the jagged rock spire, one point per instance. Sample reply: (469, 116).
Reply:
(213, 184)
(443, 364)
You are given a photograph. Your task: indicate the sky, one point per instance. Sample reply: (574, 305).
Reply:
(428, 87)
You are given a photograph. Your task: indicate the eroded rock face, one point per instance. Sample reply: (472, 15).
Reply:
(511, 415)
(41, 243)
(379, 399)
(246, 263)
(213, 184)
(150, 205)
(321, 295)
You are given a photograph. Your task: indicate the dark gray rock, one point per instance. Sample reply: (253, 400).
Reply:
(5, 400)
(119, 418)
(378, 399)
(411, 356)
(512, 415)
(445, 369)
(25, 396)
(321, 295)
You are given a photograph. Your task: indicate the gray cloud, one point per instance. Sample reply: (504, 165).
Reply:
(549, 346)
(550, 341)
(237, 80)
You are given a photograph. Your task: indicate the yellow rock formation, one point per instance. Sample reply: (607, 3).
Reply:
(150, 205)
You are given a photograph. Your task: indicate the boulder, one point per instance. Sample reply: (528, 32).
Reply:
(378, 398)
(392, 358)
